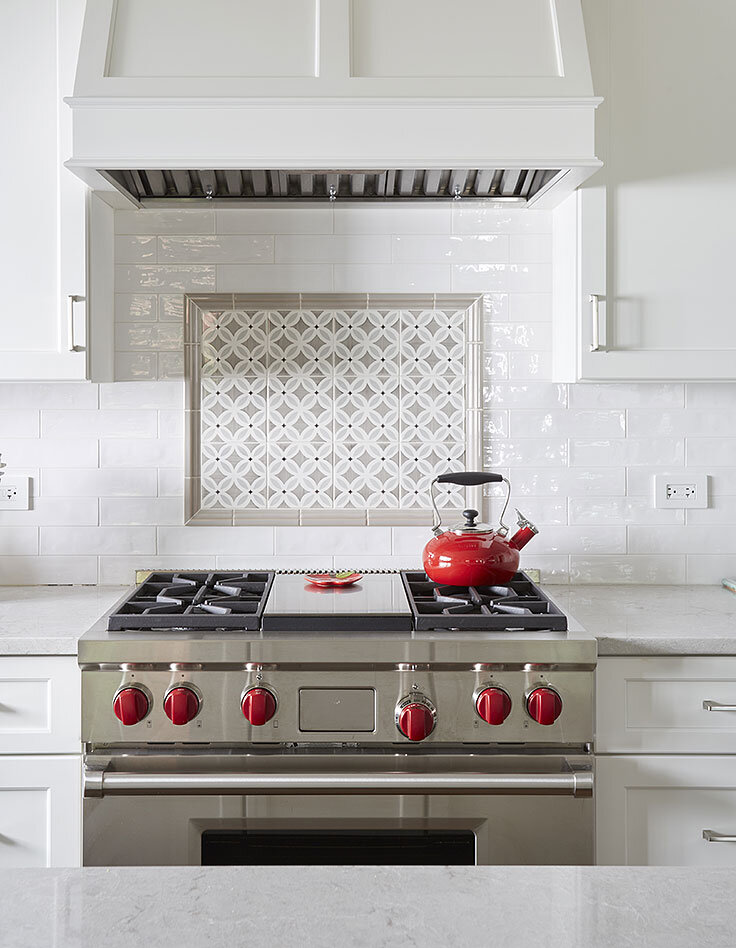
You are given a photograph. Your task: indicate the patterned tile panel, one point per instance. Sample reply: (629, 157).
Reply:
(335, 408)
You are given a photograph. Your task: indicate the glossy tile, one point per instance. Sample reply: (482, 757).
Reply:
(186, 279)
(168, 221)
(58, 541)
(604, 452)
(659, 570)
(135, 307)
(274, 278)
(98, 424)
(274, 220)
(303, 248)
(488, 248)
(385, 219)
(531, 424)
(130, 249)
(112, 482)
(218, 248)
(618, 510)
(508, 336)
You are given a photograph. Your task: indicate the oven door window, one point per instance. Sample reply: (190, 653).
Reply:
(338, 848)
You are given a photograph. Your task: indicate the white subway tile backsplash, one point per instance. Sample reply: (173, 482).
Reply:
(168, 279)
(274, 278)
(627, 452)
(385, 219)
(469, 218)
(25, 395)
(135, 307)
(219, 248)
(98, 424)
(129, 249)
(112, 482)
(107, 459)
(19, 424)
(60, 541)
(397, 278)
(659, 570)
(18, 540)
(303, 248)
(49, 452)
(48, 570)
(488, 248)
(141, 395)
(534, 424)
(275, 220)
(167, 221)
(141, 511)
(131, 452)
(250, 541)
(630, 395)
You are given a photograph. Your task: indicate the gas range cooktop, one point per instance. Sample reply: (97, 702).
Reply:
(387, 601)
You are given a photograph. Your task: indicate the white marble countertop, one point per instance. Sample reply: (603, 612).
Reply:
(347, 906)
(48, 620)
(653, 620)
(626, 620)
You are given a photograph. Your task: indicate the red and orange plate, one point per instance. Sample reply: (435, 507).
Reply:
(343, 577)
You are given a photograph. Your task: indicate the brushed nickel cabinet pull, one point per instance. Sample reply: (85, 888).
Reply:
(715, 706)
(597, 346)
(71, 300)
(710, 836)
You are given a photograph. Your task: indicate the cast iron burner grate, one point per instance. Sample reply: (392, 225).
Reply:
(519, 604)
(195, 601)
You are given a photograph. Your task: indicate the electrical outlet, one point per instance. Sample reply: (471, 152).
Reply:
(15, 493)
(678, 491)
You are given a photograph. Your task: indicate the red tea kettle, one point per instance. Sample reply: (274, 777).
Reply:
(474, 554)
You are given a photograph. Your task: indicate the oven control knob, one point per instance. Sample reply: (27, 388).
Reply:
(544, 705)
(130, 705)
(493, 705)
(258, 706)
(181, 705)
(415, 719)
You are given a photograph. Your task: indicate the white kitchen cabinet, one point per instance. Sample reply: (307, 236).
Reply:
(40, 811)
(42, 241)
(655, 705)
(653, 810)
(653, 232)
(40, 761)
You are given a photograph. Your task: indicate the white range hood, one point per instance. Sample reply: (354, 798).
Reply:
(192, 101)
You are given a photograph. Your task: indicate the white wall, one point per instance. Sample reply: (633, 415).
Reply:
(107, 459)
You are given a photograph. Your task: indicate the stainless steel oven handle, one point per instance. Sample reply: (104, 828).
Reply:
(710, 836)
(99, 783)
(717, 706)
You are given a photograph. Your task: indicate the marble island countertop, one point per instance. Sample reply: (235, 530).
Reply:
(626, 620)
(513, 906)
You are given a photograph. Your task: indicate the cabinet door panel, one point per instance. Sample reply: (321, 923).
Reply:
(40, 811)
(652, 810)
(39, 705)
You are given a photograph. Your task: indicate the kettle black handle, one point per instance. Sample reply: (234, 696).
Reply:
(469, 478)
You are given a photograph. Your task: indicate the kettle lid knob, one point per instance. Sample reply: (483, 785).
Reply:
(470, 517)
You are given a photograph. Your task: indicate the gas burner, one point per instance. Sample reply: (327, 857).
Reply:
(195, 601)
(518, 605)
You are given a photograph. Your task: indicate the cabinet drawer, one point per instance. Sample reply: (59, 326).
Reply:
(39, 705)
(657, 705)
(652, 811)
(40, 811)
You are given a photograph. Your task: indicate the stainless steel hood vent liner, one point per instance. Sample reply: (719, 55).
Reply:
(496, 184)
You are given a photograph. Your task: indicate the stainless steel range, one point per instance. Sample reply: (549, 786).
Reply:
(253, 718)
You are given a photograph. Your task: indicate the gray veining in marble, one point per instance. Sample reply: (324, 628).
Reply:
(48, 620)
(346, 906)
(626, 620)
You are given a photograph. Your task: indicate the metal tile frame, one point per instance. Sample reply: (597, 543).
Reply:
(195, 305)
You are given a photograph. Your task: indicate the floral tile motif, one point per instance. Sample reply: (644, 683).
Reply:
(300, 474)
(420, 464)
(432, 342)
(300, 342)
(234, 475)
(340, 408)
(366, 475)
(366, 409)
(235, 343)
(234, 409)
(367, 342)
(300, 409)
(433, 409)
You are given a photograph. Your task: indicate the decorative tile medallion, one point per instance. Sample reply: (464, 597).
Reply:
(329, 408)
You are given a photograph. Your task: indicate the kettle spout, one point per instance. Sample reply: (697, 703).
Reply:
(524, 534)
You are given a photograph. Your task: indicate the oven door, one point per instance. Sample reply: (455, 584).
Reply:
(340, 807)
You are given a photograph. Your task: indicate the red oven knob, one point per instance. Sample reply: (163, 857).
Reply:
(181, 705)
(544, 705)
(416, 721)
(258, 706)
(493, 705)
(130, 705)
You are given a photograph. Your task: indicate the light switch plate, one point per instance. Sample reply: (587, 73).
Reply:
(683, 491)
(15, 493)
